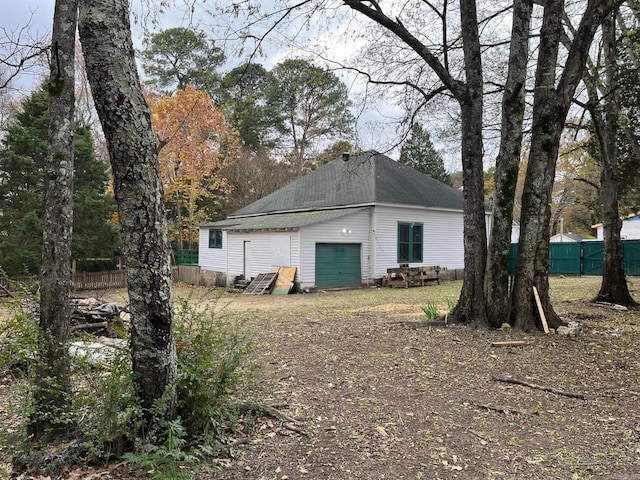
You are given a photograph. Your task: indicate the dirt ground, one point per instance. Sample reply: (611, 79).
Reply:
(367, 396)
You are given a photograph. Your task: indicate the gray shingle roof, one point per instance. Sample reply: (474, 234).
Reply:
(282, 220)
(367, 178)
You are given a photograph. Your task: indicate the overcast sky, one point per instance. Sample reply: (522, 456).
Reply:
(374, 130)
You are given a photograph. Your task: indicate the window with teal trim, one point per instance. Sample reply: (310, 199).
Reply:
(215, 238)
(409, 242)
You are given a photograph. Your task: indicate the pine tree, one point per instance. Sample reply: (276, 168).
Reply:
(22, 159)
(419, 153)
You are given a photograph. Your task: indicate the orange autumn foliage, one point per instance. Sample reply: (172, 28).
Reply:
(197, 140)
(197, 143)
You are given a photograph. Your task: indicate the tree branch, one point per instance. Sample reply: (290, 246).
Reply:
(455, 86)
(515, 381)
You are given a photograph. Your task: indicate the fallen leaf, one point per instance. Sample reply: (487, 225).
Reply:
(381, 430)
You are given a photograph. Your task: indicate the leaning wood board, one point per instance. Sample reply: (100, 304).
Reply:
(543, 318)
(284, 282)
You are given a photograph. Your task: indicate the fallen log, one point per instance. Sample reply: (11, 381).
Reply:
(89, 326)
(286, 422)
(515, 381)
(5, 291)
(612, 306)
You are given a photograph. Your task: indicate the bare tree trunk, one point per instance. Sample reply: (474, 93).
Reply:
(614, 282)
(133, 147)
(551, 105)
(548, 121)
(471, 305)
(507, 166)
(52, 384)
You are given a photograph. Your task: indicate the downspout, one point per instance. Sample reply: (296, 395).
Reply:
(372, 245)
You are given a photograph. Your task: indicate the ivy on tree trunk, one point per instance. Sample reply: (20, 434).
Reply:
(507, 166)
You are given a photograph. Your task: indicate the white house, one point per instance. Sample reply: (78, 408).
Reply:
(630, 228)
(565, 237)
(341, 225)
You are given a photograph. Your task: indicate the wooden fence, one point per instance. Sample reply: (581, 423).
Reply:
(23, 283)
(187, 274)
(97, 280)
(81, 281)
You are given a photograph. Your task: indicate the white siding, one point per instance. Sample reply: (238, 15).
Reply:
(352, 228)
(443, 242)
(213, 259)
(376, 232)
(630, 230)
(267, 250)
(263, 257)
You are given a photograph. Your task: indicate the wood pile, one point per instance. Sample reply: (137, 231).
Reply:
(91, 314)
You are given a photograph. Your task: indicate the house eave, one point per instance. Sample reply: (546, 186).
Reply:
(300, 210)
(245, 230)
(418, 207)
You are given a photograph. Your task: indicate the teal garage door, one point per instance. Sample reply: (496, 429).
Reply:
(338, 265)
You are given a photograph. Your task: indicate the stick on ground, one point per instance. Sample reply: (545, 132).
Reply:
(509, 343)
(515, 381)
(506, 411)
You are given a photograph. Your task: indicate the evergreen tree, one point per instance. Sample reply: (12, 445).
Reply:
(22, 160)
(177, 57)
(314, 105)
(243, 99)
(419, 153)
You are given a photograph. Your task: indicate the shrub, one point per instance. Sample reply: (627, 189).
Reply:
(20, 338)
(210, 354)
(106, 415)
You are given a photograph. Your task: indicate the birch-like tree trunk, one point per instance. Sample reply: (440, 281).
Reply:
(52, 384)
(105, 35)
(507, 166)
(550, 107)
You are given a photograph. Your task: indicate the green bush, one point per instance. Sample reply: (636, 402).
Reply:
(106, 415)
(20, 339)
(210, 354)
(105, 402)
